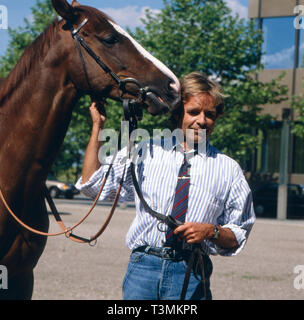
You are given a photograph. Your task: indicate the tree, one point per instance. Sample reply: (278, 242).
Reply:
(42, 14)
(203, 35)
(298, 106)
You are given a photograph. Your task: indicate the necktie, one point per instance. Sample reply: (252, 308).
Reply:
(180, 205)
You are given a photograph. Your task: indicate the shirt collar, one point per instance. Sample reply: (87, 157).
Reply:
(178, 146)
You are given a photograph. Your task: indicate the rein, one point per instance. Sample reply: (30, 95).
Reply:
(67, 231)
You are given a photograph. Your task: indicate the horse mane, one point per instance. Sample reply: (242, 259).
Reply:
(32, 54)
(35, 51)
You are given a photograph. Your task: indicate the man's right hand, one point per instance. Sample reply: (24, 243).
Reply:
(91, 162)
(98, 114)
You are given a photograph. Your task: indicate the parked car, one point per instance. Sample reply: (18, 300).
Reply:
(59, 188)
(265, 200)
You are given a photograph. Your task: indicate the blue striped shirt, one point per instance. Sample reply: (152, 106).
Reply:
(218, 194)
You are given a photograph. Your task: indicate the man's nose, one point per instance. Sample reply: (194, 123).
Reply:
(201, 120)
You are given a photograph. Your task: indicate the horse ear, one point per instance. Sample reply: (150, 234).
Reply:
(64, 9)
(75, 3)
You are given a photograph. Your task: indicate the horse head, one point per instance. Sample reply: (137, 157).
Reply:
(120, 53)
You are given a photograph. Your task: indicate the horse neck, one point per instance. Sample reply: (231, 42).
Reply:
(35, 114)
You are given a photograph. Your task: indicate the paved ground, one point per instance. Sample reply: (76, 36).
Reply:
(70, 271)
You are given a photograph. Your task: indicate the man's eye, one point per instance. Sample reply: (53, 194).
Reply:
(193, 113)
(211, 115)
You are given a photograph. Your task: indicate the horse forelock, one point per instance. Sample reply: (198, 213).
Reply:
(93, 14)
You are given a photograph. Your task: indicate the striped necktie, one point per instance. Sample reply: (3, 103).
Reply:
(180, 205)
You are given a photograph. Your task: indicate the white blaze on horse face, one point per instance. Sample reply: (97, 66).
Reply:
(176, 84)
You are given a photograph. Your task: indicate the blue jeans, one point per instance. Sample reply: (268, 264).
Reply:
(152, 278)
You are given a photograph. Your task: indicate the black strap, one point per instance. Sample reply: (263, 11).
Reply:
(195, 257)
(83, 63)
(168, 220)
(80, 40)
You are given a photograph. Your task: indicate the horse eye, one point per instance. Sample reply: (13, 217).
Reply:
(110, 40)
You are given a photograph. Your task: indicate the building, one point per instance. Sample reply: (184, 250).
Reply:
(284, 52)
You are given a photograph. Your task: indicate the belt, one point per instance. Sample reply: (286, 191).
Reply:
(167, 253)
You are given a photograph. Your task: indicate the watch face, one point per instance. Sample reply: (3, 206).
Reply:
(216, 232)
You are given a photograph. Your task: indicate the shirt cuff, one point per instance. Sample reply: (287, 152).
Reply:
(240, 235)
(88, 188)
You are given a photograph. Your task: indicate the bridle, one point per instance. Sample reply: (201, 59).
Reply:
(132, 113)
(134, 107)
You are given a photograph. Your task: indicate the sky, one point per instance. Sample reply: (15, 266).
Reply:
(124, 12)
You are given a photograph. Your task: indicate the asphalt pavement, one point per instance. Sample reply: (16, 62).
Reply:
(269, 267)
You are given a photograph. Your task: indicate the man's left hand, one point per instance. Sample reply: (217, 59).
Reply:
(194, 232)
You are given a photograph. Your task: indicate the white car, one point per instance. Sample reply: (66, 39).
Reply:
(59, 188)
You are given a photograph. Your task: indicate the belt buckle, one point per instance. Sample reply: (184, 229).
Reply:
(168, 253)
(187, 246)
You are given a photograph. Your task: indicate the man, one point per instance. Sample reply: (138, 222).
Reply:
(206, 191)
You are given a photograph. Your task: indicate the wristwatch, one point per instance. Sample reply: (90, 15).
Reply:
(216, 233)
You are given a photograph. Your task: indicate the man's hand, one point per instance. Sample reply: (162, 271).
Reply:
(91, 162)
(194, 232)
(98, 114)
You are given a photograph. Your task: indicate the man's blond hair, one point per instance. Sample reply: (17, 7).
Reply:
(196, 83)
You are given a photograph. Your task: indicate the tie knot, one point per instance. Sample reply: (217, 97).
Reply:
(186, 162)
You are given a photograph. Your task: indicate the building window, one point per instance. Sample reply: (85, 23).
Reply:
(301, 49)
(271, 150)
(279, 43)
(298, 155)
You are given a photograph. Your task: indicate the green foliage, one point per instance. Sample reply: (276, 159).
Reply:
(234, 132)
(298, 106)
(42, 15)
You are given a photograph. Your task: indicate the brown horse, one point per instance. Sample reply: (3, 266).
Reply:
(36, 103)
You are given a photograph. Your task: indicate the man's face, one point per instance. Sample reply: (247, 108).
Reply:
(199, 113)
